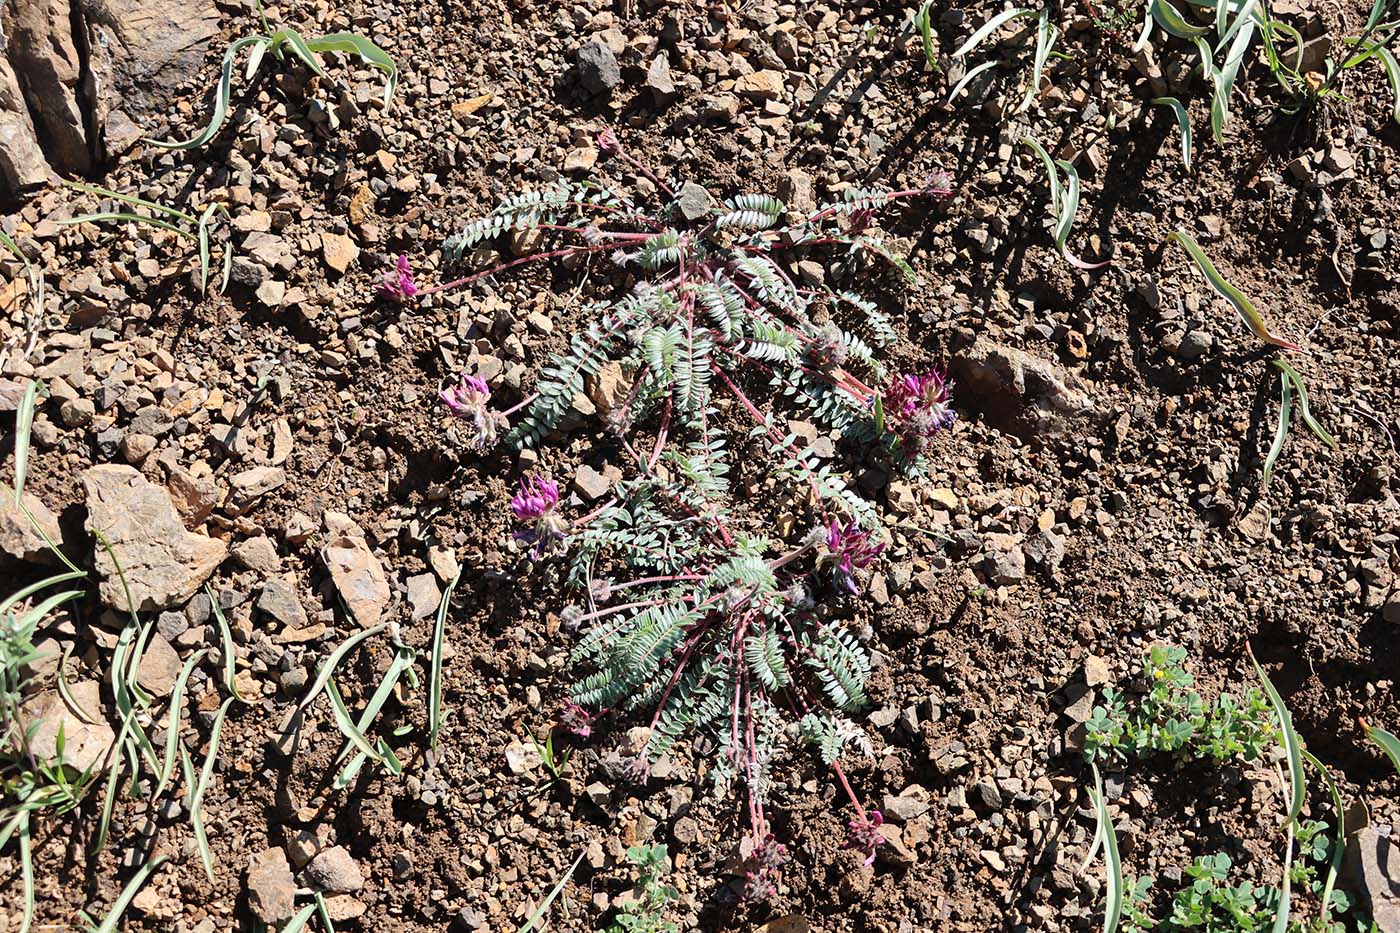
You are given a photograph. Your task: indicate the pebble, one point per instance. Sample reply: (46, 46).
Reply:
(335, 871)
(598, 70)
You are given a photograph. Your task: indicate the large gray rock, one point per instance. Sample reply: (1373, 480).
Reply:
(22, 162)
(84, 74)
(359, 578)
(164, 565)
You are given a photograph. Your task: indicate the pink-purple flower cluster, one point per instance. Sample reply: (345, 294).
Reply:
(469, 400)
(864, 835)
(918, 407)
(848, 549)
(398, 282)
(534, 505)
(769, 857)
(576, 720)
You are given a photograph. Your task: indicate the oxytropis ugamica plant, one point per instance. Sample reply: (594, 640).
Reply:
(684, 609)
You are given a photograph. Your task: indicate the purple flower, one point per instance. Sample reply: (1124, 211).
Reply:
(398, 282)
(918, 407)
(847, 550)
(608, 143)
(769, 857)
(576, 720)
(865, 836)
(534, 505)
(468, 400)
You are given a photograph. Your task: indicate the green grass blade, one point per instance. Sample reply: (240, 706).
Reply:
(324, 913)
(33, 274)
(1339, 839)
(1113, 895)
(204, 247)
(540, 911)
(290, 37)
(369, 53)
(435, 662)
(1237, 299)
(1388, 742)
(225, 645)
(1285, 886)
(114, 918)
(1171, 20)
(1392, 73)
(1285, 413)
(923, 23)
(172, 724)
(1050, 173)
(197, 796)
(1045, 35)
(1292, 745)
(1183, 122)
(61, 681)
(346, 724)
(121, 217)
(327, 668)
(970, 75)
(24, 425)
(24, 593)
(129, 199)
(989, 27)
(1068, 209)
(255, 58)
(1303, 411)
(222, 92)
(298, 922)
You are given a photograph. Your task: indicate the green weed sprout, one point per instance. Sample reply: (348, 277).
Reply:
(1064, 202)
(194, 229)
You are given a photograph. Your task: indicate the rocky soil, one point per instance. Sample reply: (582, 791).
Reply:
(280, 450)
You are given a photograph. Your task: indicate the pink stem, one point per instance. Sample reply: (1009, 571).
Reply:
(496, 270)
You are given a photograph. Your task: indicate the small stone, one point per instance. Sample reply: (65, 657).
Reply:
(18, 537)
(359, 578)
(1096, 671)
(797, 191)
(160, 667)
(339, 251)
(195, 495)
(1005, 567)
(423, 596)
(334, 871)
(1195, 344)
(912, 803)
(988, 794)
(598, 70)
(77, 412)
(258, 554)
(278, 600)
(272, 293)
(522, 758)
(248, 487)
(663, 89)
(591, 484)
(135, 448)
(694, 201)
(85, 743)
(763, 85)
(271, 886)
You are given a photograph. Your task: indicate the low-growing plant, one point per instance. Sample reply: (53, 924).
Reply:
(646, 912)
(1064, 202)
(34, 293)
(1291, 383)
(720, 632)
(279, 42)
(195, 229)
(1173, 718)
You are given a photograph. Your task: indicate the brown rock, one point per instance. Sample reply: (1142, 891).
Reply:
(1373, 861)
(358, 577)
(764, 85)
(22, 162)
(1043, 397)
(339, 251)
(44, 54)
(335, 871)
(20, 537)
(194, 492)
(160, 667)
(86, 736)
(163, 564)
(271, 886)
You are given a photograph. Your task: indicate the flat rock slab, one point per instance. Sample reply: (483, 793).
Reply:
(358, 577)
(271, 886)
(164, 565)
(20, 537)
(85, 743)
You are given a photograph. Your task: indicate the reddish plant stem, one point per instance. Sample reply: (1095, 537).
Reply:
(496, 270)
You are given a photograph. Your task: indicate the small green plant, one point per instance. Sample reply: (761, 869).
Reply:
(194, 229)
(278, 43)
(555, 760)
(1173, 718)
(647, 913)
(1064, 202)
(1237, 299)
(1290, 383)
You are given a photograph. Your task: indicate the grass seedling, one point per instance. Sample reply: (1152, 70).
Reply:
(1388, 743)
(1106, 837)
(533, 921)
(1064, 203)
(435, 718)
(186, 225)
(1237, 299)
(112, 922)
(1292, 383)
(278, 43)
(923, 25)
(1183, 122)
(379, 751)
(34, 280)
(555, 761)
